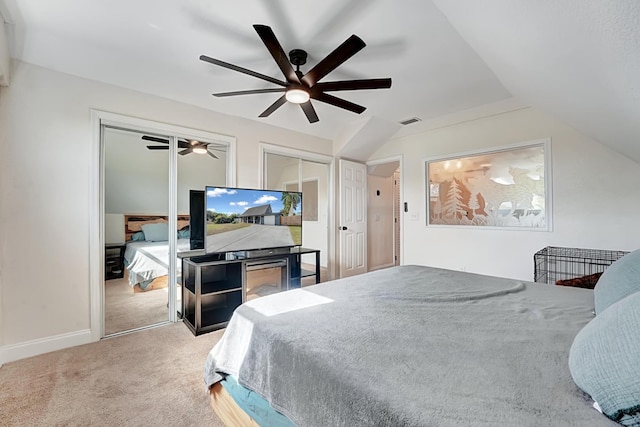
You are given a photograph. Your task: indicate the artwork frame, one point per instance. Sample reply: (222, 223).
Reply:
(507, 187)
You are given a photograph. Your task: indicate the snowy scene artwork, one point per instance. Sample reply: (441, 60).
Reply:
(504, 187)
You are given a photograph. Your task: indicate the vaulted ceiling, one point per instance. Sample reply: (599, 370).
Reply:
(578, 60)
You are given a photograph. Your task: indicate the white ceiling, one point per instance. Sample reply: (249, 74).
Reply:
(577, 59)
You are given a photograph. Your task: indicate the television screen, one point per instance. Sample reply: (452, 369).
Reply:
(241, 219)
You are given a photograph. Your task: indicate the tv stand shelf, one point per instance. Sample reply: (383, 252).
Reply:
(213, 286)
(211, 290)
(307, 273)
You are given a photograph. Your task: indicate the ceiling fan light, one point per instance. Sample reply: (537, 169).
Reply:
(200, 150)
(297, 96)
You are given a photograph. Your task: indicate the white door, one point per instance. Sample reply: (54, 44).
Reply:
(352, 226)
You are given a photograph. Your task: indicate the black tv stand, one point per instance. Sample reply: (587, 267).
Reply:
(260, 253)
(214, 285)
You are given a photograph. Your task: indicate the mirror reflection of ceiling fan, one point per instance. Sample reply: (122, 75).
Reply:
(187, 146)
(300, 88)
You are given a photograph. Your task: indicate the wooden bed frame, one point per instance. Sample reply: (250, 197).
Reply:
(133, 224)
(227, 409)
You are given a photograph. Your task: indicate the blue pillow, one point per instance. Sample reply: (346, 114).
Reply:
(184, 234)
(622, 278)
(604, 360)
(137, 236)
(158, 232)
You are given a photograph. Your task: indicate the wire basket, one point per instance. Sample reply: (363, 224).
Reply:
(555, 263)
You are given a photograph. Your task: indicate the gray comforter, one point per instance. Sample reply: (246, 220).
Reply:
(412, 346)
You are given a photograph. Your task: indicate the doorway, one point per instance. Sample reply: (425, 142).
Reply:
(384, 219)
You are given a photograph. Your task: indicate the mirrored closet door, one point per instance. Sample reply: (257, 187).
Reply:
(195, 172)
(291, 173)
(142, 186)
(136, 195)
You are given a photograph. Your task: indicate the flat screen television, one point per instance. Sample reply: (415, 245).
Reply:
(243, 219)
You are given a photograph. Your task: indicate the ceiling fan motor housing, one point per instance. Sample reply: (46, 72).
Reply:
(298, 57)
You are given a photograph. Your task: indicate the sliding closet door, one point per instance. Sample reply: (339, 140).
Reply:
(136, 193)
(292, 173)
(196, 170)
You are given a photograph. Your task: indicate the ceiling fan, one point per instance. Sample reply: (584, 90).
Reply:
(188, 146)
(299, 88)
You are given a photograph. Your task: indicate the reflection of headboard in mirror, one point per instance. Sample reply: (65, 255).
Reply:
(134, 223)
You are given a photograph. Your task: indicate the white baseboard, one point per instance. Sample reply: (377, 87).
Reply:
(9, 353)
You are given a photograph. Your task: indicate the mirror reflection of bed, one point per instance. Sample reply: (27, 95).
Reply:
(140, 297)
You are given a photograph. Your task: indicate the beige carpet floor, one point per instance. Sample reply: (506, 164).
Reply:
(147, 378)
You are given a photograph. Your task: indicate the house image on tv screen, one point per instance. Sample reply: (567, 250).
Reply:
(240, 219)
(263, 215)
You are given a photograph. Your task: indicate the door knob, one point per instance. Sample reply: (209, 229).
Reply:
(342, 228)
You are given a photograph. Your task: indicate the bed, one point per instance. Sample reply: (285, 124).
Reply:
(146, 256)
(405, 346)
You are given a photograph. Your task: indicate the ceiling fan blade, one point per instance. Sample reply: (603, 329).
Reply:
(309, 111)
(354, 85)
(155, 139)
(248, 92)
(273, 107)
(157, 147)
(346, 50)
(241, 70)
(338, 102)
(181, 143)
(211, 154)
(185, 151)
(275, 49)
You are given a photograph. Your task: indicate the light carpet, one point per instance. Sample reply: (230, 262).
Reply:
(148, 378)
(125, 309)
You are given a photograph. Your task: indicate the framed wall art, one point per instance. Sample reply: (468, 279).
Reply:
(506, 187)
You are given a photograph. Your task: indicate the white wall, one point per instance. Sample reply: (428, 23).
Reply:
(45, 181)
(596, 197)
